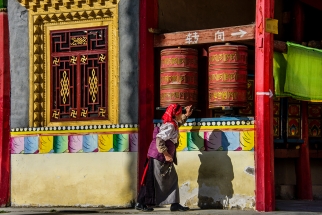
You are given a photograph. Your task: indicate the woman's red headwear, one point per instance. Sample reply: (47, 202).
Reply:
(170, 113)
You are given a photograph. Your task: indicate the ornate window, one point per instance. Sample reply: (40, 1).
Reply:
(79, 80)
(64, 87)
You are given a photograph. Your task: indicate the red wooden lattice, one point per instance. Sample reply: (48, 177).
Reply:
(79, 74)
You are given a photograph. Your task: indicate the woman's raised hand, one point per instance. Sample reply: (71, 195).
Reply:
(189, 110)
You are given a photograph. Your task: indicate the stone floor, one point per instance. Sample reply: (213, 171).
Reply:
(283, 207)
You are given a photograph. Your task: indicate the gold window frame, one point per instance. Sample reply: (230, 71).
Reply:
(48, 15)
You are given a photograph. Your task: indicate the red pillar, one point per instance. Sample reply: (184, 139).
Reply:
(4, 109)
(303, 171)
(264, 148)
(148, 19)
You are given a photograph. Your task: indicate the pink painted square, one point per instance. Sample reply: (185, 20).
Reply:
(17, 145)
(75, 143)
(133, 138)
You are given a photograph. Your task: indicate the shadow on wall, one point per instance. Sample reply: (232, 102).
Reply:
(128, 34)
(216, 171)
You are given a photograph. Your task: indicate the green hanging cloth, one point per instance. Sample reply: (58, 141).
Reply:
(303, 73)
(279, 72)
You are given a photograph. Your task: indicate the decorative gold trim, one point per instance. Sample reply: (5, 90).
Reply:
(3, 10)
(48, 15)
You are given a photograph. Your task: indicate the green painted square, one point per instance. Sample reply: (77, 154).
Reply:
(121, 142)
(195, 141)
(61, 144)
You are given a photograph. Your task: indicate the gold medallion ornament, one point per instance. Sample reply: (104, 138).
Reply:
(64, 84)
(50, 15)
(76, 41)
(93, 87)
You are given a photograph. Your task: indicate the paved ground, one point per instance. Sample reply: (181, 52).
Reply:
(282, 207)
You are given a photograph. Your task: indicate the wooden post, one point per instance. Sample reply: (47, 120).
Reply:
(264, 148)
(148, 19)
(303, 171)
(4, 106)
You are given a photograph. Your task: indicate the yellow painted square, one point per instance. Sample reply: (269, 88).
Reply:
(46, 144)
(105, 143)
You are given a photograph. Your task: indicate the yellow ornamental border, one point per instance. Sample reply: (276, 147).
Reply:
(48, 15)
(73, 132)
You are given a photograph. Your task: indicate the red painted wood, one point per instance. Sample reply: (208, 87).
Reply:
(148, 19)
(303, 170)
(303, 173)
(4, 110)
(264, 150)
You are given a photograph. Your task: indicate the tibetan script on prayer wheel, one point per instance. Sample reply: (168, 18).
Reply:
(179, 77)
(227, 81)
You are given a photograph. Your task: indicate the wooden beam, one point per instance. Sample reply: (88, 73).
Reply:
(313, 3)
(280, 46)
(315, 153)
(216, 35)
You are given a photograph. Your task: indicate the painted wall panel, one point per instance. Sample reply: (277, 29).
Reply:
(216, 179)
(84, 179)
(207, 179)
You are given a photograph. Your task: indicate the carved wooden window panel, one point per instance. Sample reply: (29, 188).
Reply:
(79, 74)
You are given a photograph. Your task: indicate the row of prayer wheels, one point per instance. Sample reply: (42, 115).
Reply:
(227, 76)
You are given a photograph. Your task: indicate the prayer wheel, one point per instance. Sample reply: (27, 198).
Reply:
(179, 77)
(227, 81)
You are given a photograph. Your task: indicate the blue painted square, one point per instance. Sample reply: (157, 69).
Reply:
(90, 143)
(31, 145)
(230, 141)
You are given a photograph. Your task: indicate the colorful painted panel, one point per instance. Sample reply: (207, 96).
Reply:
(276, 108)
(90, 143)
(314, 128)
(133, 142)
(248, 110)
(213, 141)
(31, 145)
(195, 141)
(105, 143)
(294, 110)
(75, 143)
(210, 136)
(276, 126)
(183, 142)
(17, 145)
(314, 111)
(121, 142)
(293, 127)
(61, 144)
(230, 141)
(46, 144)
(250, 89)
(247, 140)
